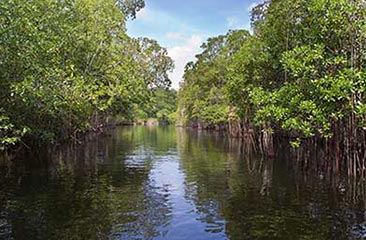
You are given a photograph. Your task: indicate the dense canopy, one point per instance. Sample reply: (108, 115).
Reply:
(301, 73)
(66, 66)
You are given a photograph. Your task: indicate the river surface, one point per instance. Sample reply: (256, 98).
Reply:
(172, 183)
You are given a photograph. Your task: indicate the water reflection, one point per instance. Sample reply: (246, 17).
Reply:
(168, 183)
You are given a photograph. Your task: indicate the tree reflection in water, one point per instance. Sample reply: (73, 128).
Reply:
(97, 190)
(285, 196)
(168, 183)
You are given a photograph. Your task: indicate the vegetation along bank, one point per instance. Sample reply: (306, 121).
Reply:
(299, 75)
(67, 67)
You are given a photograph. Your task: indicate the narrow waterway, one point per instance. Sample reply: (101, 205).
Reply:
(172, 183)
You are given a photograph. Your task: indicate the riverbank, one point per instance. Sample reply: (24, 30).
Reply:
(342, 154)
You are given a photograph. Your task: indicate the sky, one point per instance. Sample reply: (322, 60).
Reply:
(182, 26)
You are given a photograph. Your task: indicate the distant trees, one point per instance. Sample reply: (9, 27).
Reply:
(202, 95)
(165, 104)
(161, 108)
(67, 65)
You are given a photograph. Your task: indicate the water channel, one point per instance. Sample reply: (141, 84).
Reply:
(171, 183)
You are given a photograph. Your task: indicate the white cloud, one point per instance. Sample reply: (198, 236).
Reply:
(182, 54)
(174, 36)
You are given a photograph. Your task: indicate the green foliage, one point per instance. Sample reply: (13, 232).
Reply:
(154, 63)
(9, 135)
(130, 7)
(163, 105)
(302, 70)
(65, 66)
(321, 73)
(203, 95)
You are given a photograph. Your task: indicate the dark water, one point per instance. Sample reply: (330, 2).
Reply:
(172, 183)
